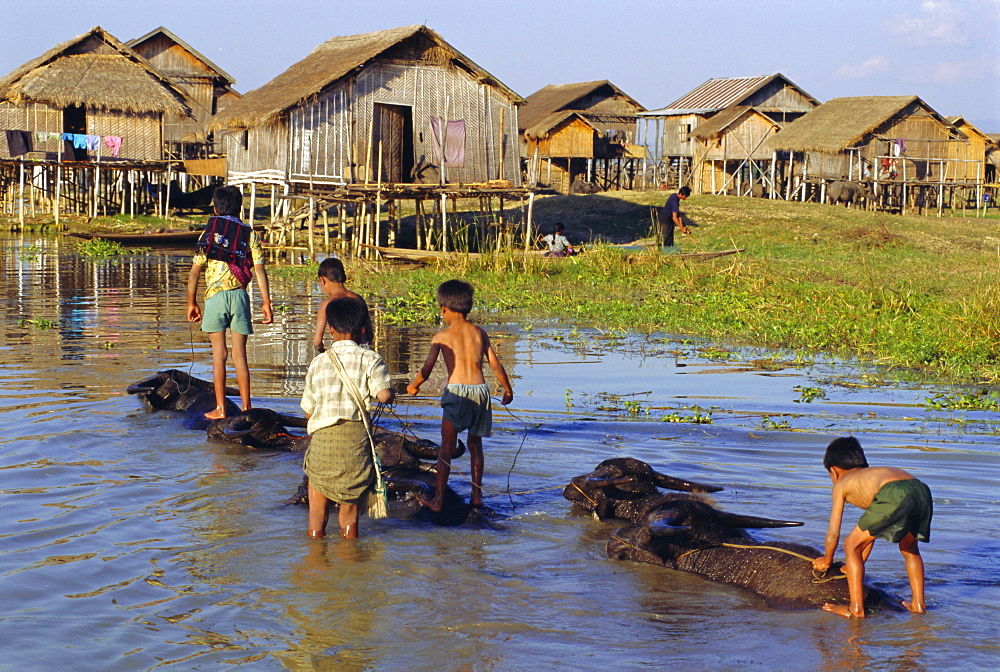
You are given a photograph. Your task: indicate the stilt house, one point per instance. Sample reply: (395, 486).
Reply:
(973, 156)
(579, 131)
(378, 107)
(872, 137)
(90, 85)
(678, 152)
(208, 87)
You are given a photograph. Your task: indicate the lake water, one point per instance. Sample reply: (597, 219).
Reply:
(129, 542)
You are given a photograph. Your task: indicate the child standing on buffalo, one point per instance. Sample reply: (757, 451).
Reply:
(230, 253)
(332, 277)
(466, 400)
(339, 461)
(898, 508)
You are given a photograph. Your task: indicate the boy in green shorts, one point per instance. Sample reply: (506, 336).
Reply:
(230, 253)
(898, 508)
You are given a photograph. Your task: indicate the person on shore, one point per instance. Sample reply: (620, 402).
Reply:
(339, 461)
(332, 277)
(465, 403)
(230, 253)
(898, 508)
(671, 216)
(559, 245)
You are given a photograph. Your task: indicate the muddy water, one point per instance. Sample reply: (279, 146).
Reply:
(128, 542)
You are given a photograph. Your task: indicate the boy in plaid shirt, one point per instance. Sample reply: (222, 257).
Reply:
(339, 460)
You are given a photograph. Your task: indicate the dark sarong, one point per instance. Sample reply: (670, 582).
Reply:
(339, 462)
(227, 239)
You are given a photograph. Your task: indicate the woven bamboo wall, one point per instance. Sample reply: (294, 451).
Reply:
(328, 133)
(261, 148)
(141, 134)
(31, 117)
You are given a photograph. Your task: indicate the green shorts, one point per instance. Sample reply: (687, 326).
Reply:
(899, 508)
(468, 407)
(228, 309)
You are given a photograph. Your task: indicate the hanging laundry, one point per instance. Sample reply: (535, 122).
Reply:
(113, 143)
(92, 142)
(900, 147)
(45, 136)
(79, 141)
(18, 142)
(454, 141)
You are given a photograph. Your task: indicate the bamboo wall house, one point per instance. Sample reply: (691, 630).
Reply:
(676, 152)
(208, 87)
(375, 118)
(583, 131)
(899, 143)
(88, 104)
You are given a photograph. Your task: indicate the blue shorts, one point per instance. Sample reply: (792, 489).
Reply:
(229, 309)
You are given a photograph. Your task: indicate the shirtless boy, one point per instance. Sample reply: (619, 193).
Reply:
(898, 509)
(466, 401)
(332, 277)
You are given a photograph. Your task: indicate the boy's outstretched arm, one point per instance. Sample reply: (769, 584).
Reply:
(320, 325)
(265, 293)
(193, 311)
(823, 563)
(425, 370)
(501, 374)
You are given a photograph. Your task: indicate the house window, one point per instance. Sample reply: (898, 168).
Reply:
(684, 132)
(245, 139)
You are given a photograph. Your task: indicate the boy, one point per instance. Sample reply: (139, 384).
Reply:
(671, 216)
(466, 401)
(559, 245)
(332, 277)
(339, 459)
(227, 250)
(898, 509)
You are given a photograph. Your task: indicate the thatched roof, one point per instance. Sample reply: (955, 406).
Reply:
(548, 100)
(93, 70)
(844, 122)
(717, 125)
(722, 92)
(191, 50)
(327, 64)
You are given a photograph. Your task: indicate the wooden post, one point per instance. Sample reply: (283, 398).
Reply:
(58, 181)
(500, 171)
(444, 214)
(312, 222)
(253, 203)
(20, 196)
(789, 174)
(529, 222)
(376, 233)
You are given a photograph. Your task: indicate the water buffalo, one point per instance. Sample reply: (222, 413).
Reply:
(174, 390)
(625, 488)
(691, 535)
(683, 531)
(849, 193)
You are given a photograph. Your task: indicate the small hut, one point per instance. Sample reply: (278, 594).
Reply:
(91, 85)
(729, 153)
(971, 157)
(885, 139)
(667, 133)
(208, 87)
(580, 131)
(377, 107)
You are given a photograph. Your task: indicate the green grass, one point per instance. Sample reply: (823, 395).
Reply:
(914, 292)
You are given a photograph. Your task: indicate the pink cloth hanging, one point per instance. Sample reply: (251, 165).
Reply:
(113, 143)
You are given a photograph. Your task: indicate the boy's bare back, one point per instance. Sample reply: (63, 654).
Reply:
(462, 345)
(859, 486)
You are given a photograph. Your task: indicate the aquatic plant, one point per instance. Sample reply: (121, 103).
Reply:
(983, 400)
(767, 423)
(39, 323)
(29, 252)
(100, 248)
(807, 394)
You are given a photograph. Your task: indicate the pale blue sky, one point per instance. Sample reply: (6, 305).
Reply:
(945, 51)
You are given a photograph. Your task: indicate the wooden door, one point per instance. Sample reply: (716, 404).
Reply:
(392, 130)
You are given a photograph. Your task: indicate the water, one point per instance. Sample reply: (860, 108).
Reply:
(131, 543)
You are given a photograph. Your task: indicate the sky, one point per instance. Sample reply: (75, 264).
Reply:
(945, 51)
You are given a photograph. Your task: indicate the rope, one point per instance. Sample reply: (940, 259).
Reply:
(510, 495)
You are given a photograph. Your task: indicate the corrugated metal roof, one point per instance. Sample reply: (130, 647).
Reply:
(716, 94)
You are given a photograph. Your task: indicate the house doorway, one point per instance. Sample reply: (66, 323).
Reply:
(392, 129)
(75, 121)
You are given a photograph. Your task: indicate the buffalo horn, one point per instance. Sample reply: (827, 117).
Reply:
(663, 525)
(736, 520)
(671, 483)
(610, 480)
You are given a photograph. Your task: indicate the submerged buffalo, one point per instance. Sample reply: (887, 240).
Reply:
(685, 532)
(407, 462)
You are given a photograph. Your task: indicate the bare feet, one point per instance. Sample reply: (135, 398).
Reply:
(217, 414)
(913, 607)
(842, 610)
(432, 504)
(317, 534)
(349, 532)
